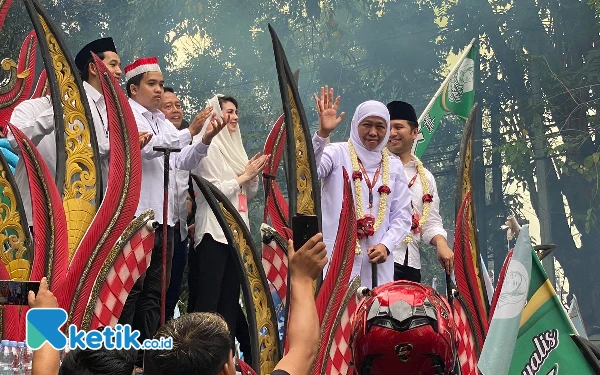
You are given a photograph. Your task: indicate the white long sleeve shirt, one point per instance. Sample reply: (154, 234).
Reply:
(164, 134)
(216, 170)
(432, 227)
(98, 110)
(330, 159)
(35, 118)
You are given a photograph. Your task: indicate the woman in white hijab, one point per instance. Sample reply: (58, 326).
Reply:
(212, 268)
(379, 185)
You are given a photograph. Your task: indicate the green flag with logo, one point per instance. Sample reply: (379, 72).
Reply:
(456, 95)
(504, 327)
(544, 345)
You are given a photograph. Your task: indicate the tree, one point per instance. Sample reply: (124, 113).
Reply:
(545, 47)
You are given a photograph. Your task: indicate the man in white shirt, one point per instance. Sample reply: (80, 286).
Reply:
(106, 51)
(425, 201)
(379, 185)
(35, 117)
(145, 84)
(179, 205)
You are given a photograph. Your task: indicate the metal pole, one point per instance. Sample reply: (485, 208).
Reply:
(449, 290)
(163, 292)
(374, 281)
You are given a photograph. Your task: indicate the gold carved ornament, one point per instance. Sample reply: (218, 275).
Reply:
(305, 201)
(15, 254)
(13, 77)
(10, 66)
(266, 331)
(79, 194)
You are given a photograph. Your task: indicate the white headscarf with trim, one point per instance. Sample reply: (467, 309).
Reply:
(369, 159)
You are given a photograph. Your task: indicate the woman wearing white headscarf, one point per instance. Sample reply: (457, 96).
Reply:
(379, 185)
(212, 267)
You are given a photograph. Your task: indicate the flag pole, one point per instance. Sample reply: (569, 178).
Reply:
(439, 91)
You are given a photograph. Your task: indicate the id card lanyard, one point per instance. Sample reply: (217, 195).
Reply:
(242, 201)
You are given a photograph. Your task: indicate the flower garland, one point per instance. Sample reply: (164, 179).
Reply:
(417, 223)
(367, 225)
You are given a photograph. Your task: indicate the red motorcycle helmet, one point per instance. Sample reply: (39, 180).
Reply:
(403, 328)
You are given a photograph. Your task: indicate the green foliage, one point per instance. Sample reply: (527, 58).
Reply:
(536, 65)
(595, 4)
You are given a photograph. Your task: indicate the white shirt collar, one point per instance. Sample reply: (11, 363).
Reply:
(92, 92)
(145, 112)
(412, 162)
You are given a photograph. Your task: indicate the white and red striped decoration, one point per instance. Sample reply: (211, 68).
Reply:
(466, 345)
(340, 354)
(139, 66)
(275, 264)
(130, 264)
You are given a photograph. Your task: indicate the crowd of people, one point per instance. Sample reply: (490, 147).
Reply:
(396, 202)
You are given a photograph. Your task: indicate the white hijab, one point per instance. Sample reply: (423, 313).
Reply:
(231, 147)
(369, 159)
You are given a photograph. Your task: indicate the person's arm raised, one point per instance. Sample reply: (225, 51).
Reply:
(306, 265)
(327, 109)
(328, 120)
(189, 157)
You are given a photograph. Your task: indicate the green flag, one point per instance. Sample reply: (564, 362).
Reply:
(456, 95)
(504, 328)
(544, 345)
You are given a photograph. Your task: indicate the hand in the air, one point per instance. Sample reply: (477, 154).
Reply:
(309, 260)
(327, 109)
(198, 121)
(378, 253)
(213, 128)
(44, 297)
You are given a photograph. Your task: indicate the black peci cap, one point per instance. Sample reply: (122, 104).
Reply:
(402, 111)
(97, 46)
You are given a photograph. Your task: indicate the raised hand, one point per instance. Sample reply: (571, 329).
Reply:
(44, 297)
(198, 121)
(213, 128)
(327, 109)
(308, 261)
